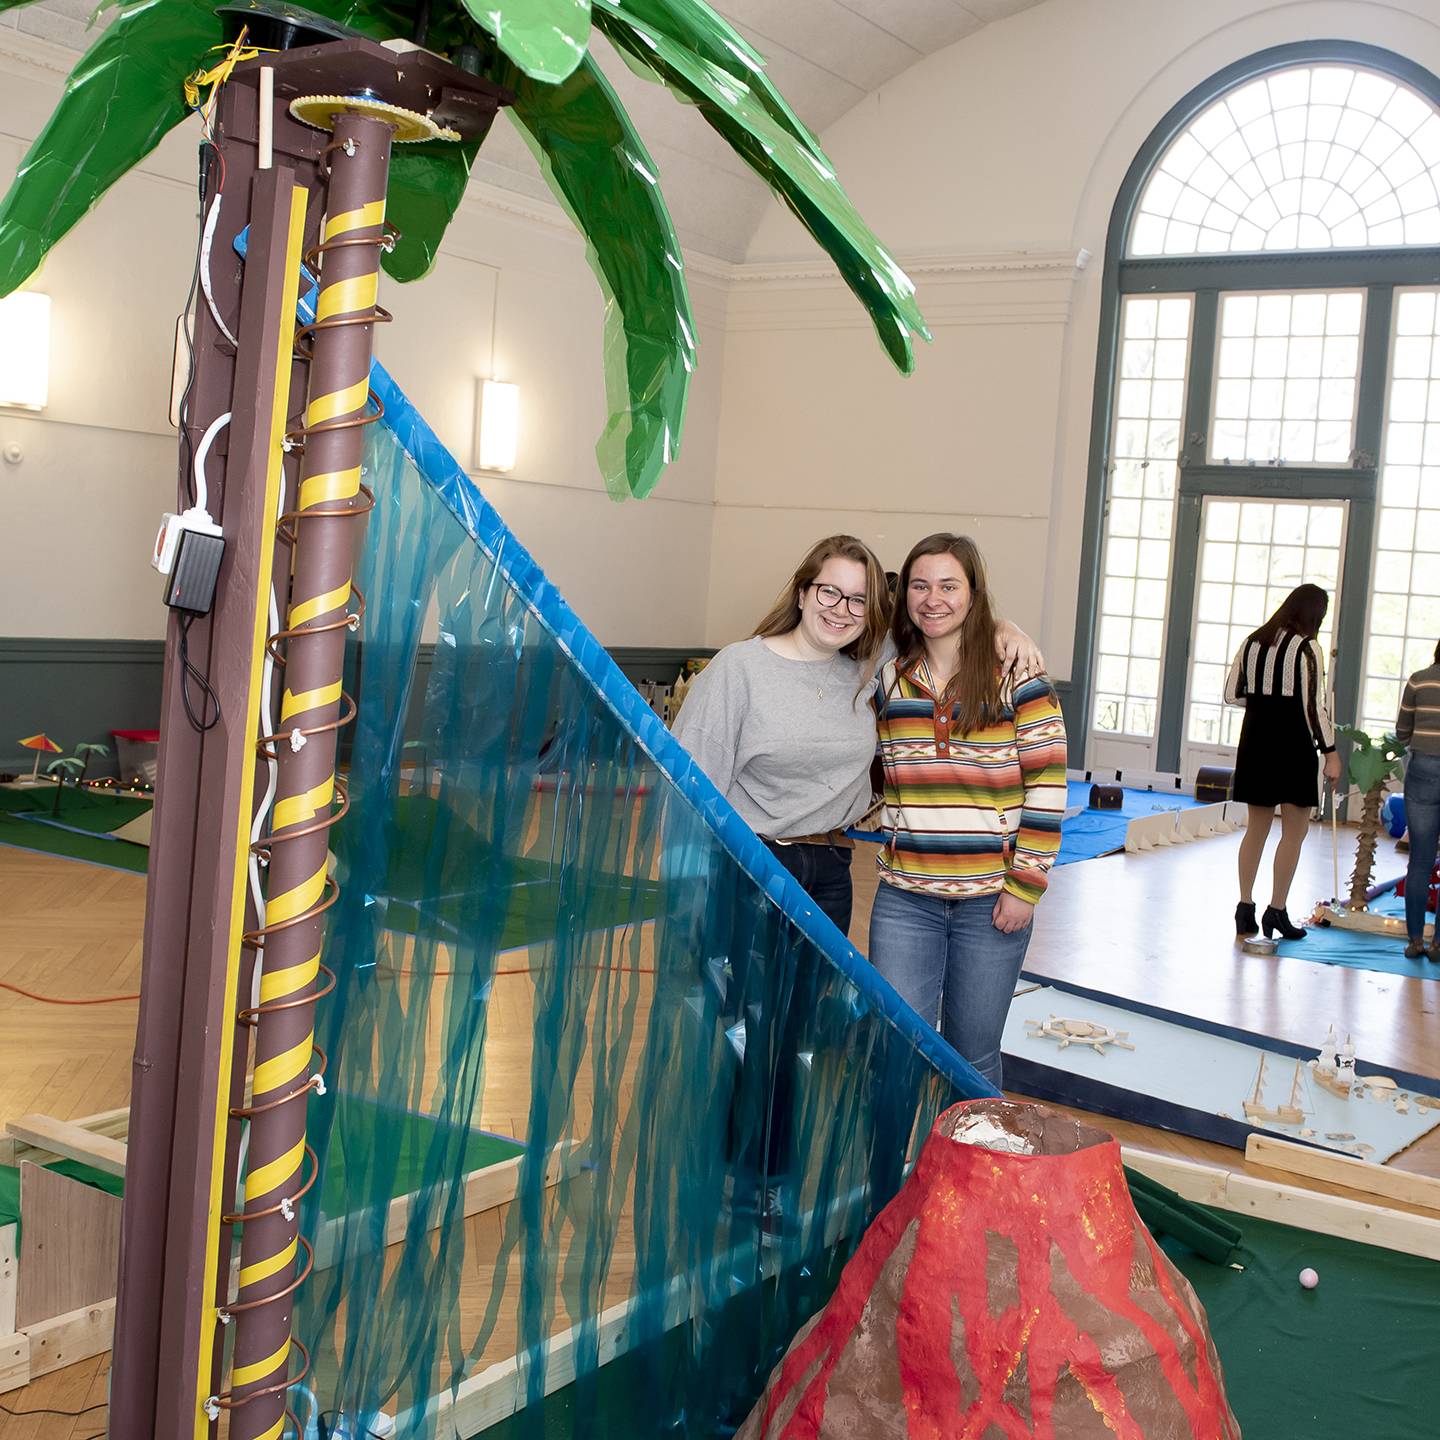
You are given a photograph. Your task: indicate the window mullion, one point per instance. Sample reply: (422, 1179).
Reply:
(1374, 365)
(1202, 380)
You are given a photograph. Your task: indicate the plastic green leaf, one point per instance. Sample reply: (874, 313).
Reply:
(427, 184)
(117, 105)
(602, 174)
(546, 39)
(1372, 761)
(799, 174)
(712, 38)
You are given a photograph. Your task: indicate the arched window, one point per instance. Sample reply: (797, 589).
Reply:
(1267, 399)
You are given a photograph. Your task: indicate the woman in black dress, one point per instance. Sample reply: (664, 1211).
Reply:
(1279, 677)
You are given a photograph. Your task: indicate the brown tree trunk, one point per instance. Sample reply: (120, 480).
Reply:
(1369, 835)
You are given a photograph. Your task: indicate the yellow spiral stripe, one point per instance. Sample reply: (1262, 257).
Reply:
(248, 1374)
(320, 605)
(259, 1183)
(276, 985)
(348, 297)
(338, 402)
(332, 485)
(264, 1269)
(361, 219)
(275, 1431)
(281, 1069)
(295, 809)
(296, 901)
(293, 704)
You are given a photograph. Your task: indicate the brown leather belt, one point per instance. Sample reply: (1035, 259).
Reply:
(836, 839)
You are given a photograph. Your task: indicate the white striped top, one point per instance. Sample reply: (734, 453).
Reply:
(1293, 666)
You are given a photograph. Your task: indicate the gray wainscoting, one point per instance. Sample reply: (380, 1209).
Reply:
(81, 690)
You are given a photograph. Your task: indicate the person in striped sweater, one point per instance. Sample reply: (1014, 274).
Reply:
(974, 796)
(1418, 726)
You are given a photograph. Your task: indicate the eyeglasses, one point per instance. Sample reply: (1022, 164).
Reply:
(827, 597)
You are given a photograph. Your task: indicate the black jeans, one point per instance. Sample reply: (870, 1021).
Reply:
(775, 1025)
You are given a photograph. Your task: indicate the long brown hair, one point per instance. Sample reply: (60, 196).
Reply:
(784, 615)
(974, 689)
(1301, 612)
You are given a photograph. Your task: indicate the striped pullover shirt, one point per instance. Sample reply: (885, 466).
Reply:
(970, 814)
(1291, 667)
(1419, 722)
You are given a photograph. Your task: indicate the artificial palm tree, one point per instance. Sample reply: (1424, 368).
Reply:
(128, 91)
(1372, 764)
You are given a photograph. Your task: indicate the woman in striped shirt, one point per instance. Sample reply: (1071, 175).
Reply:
(974, 797)
(1279, 677)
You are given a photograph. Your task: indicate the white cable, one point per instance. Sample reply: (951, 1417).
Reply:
(206, 239)
(202, 490)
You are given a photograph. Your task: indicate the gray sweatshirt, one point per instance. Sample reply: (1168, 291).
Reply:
(787, 742)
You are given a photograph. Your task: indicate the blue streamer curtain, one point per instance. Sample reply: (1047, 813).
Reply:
(565, 968)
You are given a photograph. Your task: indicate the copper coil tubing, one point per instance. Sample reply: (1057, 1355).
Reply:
(286, 531)
(294, 441)
(347, 621)
(387, 239)
(248, 1015)
(226, 1399)
(243, 1112)
(299, 1280)
(376, 315)
(263, 744)
(246, 1216)
(262, 848)
(255, 939)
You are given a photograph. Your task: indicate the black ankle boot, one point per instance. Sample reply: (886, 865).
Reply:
(1274, 919)
(1245, 923)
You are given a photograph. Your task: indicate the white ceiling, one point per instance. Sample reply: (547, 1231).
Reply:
(824, 55)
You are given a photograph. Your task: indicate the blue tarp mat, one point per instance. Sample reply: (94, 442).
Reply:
(1331, 946)
(1102, 832)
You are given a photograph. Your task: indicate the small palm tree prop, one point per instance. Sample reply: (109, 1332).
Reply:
(127, 92)
(84, 751)
(1372, 763)
(66, 768)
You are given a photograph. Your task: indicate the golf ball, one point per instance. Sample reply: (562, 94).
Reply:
(1309, 1279)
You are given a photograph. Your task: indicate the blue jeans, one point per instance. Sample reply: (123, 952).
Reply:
(1422, 815)
(930, 948)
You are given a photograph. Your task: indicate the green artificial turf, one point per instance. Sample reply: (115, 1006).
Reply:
(81, 831)
(1358, 1356)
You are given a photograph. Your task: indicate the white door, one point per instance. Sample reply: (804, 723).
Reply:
(1252, 554)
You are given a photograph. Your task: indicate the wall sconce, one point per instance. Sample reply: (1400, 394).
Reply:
(497, 429)
(25, 350)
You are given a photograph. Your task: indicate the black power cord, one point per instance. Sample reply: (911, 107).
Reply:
(208, 697)
(69, 1414)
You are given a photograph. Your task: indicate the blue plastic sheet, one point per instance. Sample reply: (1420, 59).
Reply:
(551, 923)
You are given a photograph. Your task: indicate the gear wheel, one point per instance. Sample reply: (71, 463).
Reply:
(321, 111)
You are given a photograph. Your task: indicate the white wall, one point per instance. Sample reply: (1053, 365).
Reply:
(1014, 140)
(99, 464)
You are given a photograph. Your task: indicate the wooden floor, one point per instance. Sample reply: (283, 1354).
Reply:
(1156, 927)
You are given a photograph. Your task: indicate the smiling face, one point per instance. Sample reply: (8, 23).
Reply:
(938, 596)
(832, 627)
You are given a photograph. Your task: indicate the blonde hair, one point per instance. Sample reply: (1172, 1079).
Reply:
(784, 615)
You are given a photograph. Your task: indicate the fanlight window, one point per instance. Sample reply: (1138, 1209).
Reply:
(1312, 158)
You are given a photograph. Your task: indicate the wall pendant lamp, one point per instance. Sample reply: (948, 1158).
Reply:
(25, 350)
(497, 427)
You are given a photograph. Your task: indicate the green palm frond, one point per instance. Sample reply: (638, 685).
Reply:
(546, 39)
(602, 174)
(427, 184)
(713, 39)
(119, 102)
(795, 170)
